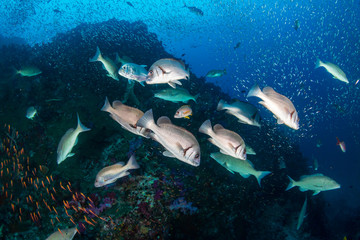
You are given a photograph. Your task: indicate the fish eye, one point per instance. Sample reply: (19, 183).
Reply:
(151, 72)
(197, 155)
(177, 112)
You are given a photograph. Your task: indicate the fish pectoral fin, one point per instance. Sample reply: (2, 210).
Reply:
(168, 154)
(187, 117)
(173, 85)
(70, 155)
(302, 189)
(180, 148)
(316, 193)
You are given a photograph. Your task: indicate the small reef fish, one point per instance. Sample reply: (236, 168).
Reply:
(126, 116)
(250, 150)
(244, 168)
(28, 71)
(316, 182)
(296, 24)
(282, 108)
(169, 71)
(134, 71)
(110, 174)
(216, 73)
(244, 111)
(237, 45)
(69, 140)
(195, 10)
(333, 70)
(178, 142)
(108, 64)
(175, 95)
(63, 234)
(31, 113)
(229, 142)
(183, 112)
(302, 215)
(341, 144)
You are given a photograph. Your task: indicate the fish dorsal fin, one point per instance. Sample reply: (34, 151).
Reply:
(314, 175)
(120, 163)
(279, 121)
(317, 174)
(269, 90)
(117, 104)
(144, 66)
(176, 60)
(218, 127)
(163, 120)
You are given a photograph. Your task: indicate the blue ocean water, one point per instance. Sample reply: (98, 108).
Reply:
(256, 42)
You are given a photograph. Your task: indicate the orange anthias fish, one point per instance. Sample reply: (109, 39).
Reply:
(183, 112)
(341, 144)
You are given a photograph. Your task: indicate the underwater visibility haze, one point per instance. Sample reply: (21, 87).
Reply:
(180, 119)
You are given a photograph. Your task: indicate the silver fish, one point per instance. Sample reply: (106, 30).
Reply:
(29, 71)
(229, 142)
(216, 73)
(302, 215)
(316, 182)
(282, 108)
(126, 116)
(69, 140)
(31, 113)
(333, 70)
(108, 64)
(178, 142)
(169, 71)
(244, 111)
(63, 234)
(110, 174)
(134, 71)
(175, 95)
(244, 168)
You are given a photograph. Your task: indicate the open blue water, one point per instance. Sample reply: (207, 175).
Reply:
(271, 52)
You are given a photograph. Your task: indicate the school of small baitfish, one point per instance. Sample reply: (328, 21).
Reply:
(177, 141)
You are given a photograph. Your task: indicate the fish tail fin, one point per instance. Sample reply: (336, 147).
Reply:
(220, 105)
(338, 141)
(132, 164)
(206, 127)
(254, 91)
(80, 126)
(291, 184)
(147, 120)
(318, 63)
(107, 107)
(97, 56)
(260, 175)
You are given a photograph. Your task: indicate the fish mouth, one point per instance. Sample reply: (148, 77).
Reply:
(196, 162)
